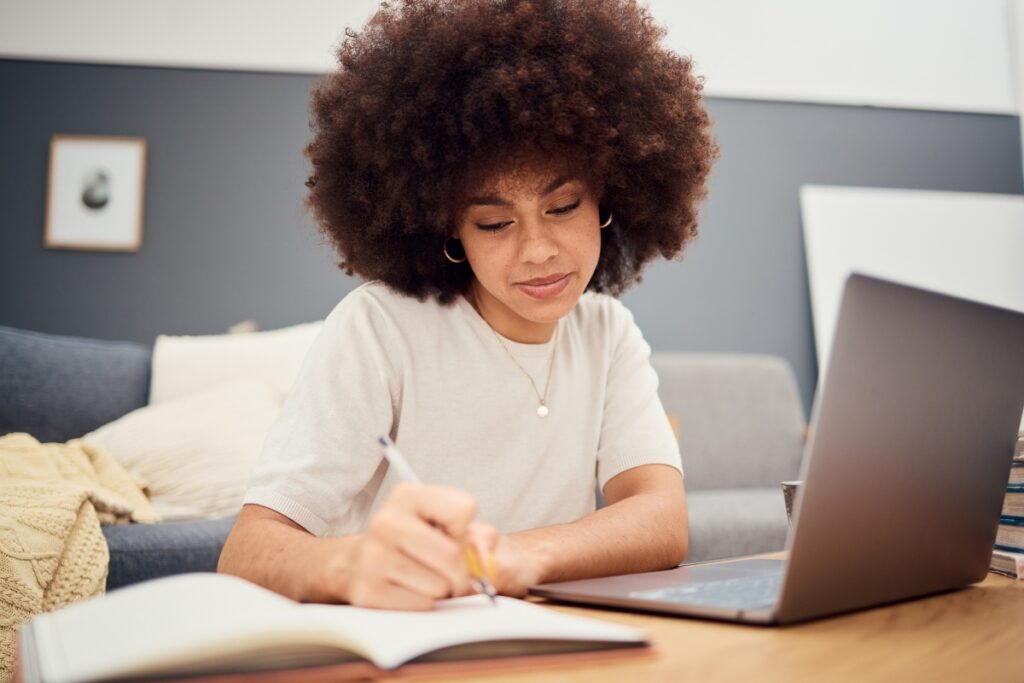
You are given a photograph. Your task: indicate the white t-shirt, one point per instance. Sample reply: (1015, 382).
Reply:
(436, 380)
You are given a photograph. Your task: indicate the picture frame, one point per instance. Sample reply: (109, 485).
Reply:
(95, 193)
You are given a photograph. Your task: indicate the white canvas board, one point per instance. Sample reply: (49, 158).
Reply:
(965, 244)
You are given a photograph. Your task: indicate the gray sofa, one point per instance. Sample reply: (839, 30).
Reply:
(58, 388)
(740, 421)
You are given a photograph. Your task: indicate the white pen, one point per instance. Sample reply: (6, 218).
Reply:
(404, 472)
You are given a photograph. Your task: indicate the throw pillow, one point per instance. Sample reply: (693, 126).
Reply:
(195, 451)
(183, 365)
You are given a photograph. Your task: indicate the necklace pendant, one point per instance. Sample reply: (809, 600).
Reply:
(542, 410)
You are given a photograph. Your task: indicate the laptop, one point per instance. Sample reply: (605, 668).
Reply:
(904, 473)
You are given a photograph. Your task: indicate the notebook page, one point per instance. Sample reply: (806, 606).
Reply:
(159, 621)
(392, 638)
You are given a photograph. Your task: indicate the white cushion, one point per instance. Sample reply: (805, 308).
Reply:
(195, 451)
(183, 365)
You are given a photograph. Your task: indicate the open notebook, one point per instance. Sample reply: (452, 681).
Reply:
(205, 624)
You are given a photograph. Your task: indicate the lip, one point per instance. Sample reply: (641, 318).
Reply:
(545, 287)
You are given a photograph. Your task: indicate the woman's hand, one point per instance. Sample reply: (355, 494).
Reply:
(518, 566)
(411, 554)
(516, 563)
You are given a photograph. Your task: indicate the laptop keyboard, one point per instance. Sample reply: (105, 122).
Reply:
(743, 593)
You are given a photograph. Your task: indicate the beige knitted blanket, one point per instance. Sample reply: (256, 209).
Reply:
(53, 498)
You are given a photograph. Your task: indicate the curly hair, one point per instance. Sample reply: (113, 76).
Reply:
(433, 94)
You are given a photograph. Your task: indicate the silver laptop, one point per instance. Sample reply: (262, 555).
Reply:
(904, 474)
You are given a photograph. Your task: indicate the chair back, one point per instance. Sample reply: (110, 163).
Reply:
(740, 418)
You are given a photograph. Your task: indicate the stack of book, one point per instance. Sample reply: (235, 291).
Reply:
(1008, 556)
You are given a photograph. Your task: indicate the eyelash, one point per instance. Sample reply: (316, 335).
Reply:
(560, 211)
(567, 208)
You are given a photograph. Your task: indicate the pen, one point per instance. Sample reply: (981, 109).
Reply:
(476, 567)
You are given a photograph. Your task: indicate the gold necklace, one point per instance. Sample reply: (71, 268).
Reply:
(542, 408)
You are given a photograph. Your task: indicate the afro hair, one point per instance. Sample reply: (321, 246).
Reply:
(430, 92)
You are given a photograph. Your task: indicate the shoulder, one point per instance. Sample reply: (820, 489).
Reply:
(600, 312)
(606, 323)
(376, 305)
(377, 298)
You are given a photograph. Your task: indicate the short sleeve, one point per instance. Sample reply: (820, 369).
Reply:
(635, 429)
(320, 458)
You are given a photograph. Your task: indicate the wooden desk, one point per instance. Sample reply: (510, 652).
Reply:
(974, 634)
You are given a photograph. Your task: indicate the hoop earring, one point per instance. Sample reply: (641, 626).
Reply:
(607, 222)
(449, 256)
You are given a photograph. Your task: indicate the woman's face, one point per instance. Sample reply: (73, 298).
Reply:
(532, 241)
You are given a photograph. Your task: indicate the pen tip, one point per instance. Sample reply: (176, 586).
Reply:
(486, 588)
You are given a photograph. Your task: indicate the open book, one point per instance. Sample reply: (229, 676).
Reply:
(205, 624)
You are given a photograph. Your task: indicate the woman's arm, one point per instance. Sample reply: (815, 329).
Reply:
(402, 563)
(271, 550)
(643, 528)
(407, 558)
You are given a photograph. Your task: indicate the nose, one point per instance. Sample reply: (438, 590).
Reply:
(536, 243)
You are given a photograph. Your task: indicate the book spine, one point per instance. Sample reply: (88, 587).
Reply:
(1009, 548)
(1017, 554)
(1011, 573)
(1013, 501)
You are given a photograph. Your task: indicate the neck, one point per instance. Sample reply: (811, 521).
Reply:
(507, 322)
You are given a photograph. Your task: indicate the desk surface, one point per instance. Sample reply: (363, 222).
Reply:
(974, 634)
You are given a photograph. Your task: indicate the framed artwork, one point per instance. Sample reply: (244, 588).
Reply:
(95, 193)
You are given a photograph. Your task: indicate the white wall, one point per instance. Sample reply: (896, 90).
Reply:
(258, 35)
(919, 54)
(1016, 12)
(951, 55)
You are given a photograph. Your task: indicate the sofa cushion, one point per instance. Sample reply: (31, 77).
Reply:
(139, 552)
(58, 388)
(733, 522)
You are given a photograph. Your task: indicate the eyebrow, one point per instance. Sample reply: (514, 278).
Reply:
(492, 200)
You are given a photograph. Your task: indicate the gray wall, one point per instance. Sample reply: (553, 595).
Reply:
(225, 237)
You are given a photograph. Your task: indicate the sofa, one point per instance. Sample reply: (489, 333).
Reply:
(739, 418)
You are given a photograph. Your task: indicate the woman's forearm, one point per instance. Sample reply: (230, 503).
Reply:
(287, 560)
(644, 532)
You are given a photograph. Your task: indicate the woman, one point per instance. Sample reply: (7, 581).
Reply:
(497, 172)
